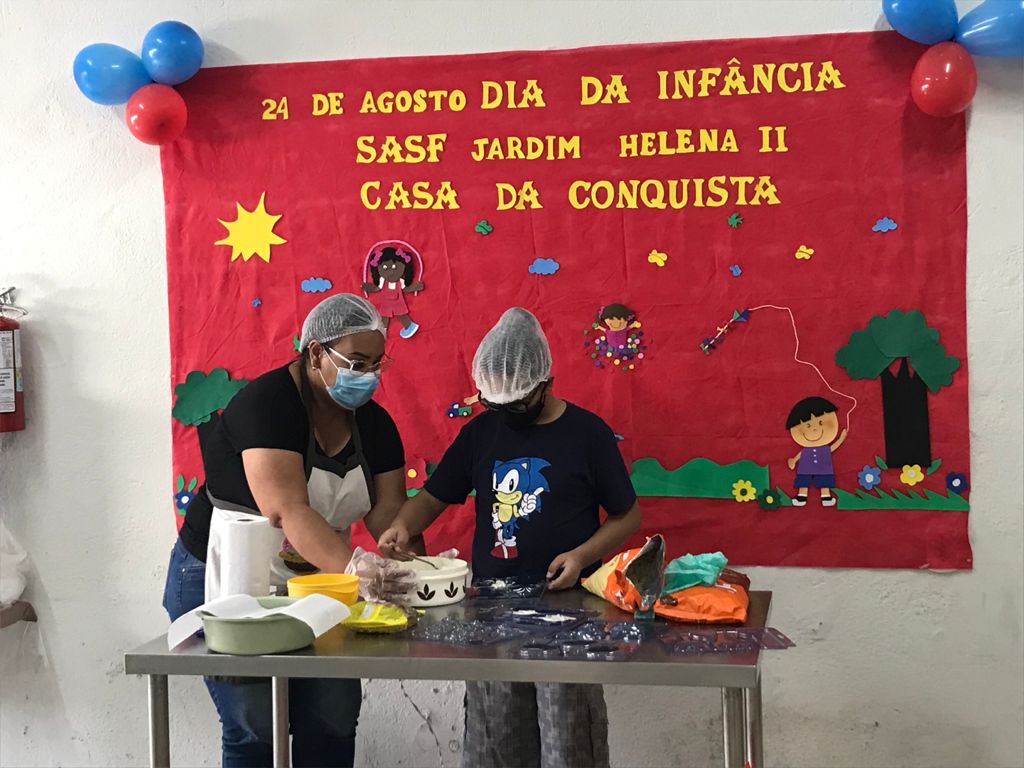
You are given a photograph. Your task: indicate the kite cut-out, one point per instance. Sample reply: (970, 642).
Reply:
(392, 269)
(543, 267)
(315, 285)
(483, 227)
(657, 258)
(709, 343)
(699, 478)
(184, 493)
(734, 221)
(804, 253)
(252, 232)
(884, 225)
(615, 338)
(201, 395)
(871, 352)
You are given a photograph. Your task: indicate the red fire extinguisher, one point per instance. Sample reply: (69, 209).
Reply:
(12, 387)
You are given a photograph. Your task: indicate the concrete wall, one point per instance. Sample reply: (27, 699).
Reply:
(892, 668)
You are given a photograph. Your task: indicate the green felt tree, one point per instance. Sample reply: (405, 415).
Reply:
(201, 395)
(924, 365)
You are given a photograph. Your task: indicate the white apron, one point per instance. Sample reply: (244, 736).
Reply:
(264, 560)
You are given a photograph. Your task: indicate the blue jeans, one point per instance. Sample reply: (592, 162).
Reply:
(322, 713)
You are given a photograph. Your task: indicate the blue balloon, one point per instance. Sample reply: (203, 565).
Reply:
(108, 74)
(923, 21)
(172, 52)
(994, 28)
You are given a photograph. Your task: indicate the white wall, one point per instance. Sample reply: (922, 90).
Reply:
(891, 668)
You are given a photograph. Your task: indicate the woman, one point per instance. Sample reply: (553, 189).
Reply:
(305, 446)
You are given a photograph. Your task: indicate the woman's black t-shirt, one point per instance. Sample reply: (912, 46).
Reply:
(268, 413)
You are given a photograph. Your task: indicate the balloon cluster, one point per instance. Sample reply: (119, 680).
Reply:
(109, 74)
(944, 78)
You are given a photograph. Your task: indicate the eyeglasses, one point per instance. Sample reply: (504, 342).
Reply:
(517, 406)
(364, 366)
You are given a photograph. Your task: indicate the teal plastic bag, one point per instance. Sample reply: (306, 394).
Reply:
(692, 570)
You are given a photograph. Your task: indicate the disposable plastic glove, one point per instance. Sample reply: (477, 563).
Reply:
(380, 580)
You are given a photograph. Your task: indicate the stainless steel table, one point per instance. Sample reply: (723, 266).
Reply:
(340, 653)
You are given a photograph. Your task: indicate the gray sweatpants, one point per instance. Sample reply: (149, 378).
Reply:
(542, 725)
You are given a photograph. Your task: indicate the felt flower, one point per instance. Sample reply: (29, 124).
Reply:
(869, 477)
(956, 482)
(184, 494)
(911, 474)
(769, 499)
(415, 472)
(743, 490)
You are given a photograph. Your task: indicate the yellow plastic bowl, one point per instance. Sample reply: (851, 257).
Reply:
(343, 587)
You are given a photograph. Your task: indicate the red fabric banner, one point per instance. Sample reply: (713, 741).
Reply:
(790, 177)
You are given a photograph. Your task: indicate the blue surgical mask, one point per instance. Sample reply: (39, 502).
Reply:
(351, 389)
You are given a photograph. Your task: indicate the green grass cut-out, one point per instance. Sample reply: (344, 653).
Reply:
(896, 499)
(698, 478)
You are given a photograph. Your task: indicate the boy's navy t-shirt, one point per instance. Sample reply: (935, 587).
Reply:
(537, 489)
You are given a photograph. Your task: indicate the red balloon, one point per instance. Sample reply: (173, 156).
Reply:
(943, 81)
(156, 114)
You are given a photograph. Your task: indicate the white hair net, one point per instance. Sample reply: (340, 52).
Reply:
(512, 359)
(337, 316)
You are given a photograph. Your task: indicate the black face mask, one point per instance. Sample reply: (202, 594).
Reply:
(522, 419)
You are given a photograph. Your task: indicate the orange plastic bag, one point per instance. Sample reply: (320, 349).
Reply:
(610, 581)
(724, 603)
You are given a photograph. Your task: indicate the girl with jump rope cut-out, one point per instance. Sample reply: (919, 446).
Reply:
(392, 268)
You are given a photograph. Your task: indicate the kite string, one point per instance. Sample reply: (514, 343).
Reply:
(796, 357)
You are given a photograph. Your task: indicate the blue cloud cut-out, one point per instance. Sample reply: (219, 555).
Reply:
(544, 267)
(316, 285)
(884, 225)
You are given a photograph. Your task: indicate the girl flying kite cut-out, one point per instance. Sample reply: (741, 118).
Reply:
(392, 269)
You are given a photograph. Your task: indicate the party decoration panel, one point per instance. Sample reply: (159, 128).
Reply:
(723, 218)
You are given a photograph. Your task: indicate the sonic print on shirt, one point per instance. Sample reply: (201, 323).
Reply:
(517, 485)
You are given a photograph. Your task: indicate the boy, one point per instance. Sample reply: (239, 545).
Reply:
(813, 424)
(541, 467)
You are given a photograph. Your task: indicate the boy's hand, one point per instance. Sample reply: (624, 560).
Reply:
(792, 463)
(564, 571)
(394, 542)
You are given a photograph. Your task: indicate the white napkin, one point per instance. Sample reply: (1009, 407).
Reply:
(318, 612)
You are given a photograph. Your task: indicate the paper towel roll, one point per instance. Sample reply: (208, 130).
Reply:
(239, 554)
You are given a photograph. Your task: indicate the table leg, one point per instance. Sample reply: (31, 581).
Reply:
(159, 726)
(279, 699)
(732, 727)
(755, 737)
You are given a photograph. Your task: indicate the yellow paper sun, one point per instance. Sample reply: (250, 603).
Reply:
(251, 233)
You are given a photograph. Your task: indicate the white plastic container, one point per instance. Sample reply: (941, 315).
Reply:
(443, 585)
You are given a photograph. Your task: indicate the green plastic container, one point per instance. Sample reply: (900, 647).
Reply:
(257, 637)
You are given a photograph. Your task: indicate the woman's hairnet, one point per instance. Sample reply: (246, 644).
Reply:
(513, 358)
(340, 315)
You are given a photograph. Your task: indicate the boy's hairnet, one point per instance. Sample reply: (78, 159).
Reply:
(512, 359)
(340, 315)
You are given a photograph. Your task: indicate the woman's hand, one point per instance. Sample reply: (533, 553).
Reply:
(394, 542)
(564, 571)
